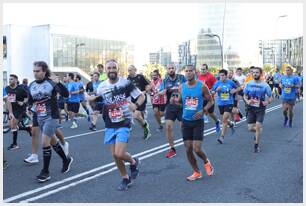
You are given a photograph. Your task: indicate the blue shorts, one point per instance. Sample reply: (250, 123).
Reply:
(113, 135)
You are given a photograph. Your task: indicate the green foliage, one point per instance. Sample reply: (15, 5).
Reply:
(149, 68)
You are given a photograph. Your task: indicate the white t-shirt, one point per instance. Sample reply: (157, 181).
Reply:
(240, 79)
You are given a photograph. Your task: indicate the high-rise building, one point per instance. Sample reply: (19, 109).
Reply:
(209, 52)
(187, 53)
(224, 20)
(63, 51)
(279, 51)
(160, 57)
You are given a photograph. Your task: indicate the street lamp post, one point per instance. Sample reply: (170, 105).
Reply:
(281, 16)
(221, 48)
(76, 52)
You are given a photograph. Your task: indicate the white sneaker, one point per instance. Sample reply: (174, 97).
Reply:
(205, 119)
(32, 159)
(74, 125)
(65, 148)
(162, 120)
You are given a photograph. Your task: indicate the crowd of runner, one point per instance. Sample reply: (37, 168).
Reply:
(190, 99)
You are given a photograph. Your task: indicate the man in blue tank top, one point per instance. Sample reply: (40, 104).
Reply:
(225, 90)
(289, 85)
(192, 94)
(255, 93)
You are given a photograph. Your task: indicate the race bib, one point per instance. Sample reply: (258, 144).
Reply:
(116, 115)
(12, 97)
(287, 90)
(41, 110)
(255, 103)
(191, 103)
(225, 96)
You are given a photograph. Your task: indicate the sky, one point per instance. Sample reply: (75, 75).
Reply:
(149, 26)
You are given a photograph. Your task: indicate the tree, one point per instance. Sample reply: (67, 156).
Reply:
(149, 68)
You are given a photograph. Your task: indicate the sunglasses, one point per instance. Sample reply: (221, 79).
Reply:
(36, 71)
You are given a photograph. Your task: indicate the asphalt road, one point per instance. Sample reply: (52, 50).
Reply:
(274, 175)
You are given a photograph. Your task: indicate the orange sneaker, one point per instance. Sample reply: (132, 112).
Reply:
(194, 176)
(209, 168)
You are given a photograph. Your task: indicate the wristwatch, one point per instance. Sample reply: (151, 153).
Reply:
(137, 105)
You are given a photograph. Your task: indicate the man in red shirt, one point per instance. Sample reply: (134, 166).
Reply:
(209, 79)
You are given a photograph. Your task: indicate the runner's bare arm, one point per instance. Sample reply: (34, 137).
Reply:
(207, 96)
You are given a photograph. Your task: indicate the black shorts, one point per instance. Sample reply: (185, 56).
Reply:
(173, 113)
(255, 115)
(34, 120)
(289, 101)
(98, 107)
(19, 114)
(235, 103)
(211, 109)
(73, 107)
(161, 107)
(141, 107)
(225, 108)
(61, 105)
(193, 130)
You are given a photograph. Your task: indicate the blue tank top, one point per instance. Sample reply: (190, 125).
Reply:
(192, 100)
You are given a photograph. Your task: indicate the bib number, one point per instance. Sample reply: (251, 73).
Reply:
(224, 96)
(191, 103)
(12, 97)
(41, 110)
(116, 115)
(287, 90)
(255, 103)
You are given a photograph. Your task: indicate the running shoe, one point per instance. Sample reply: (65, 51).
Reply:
(218, 129)
(290, 123)
(43, 176)
(256, 148)
(93, 127)
(231, 126)
(32, 159)
(209, 168)
(134, 169)
(126, 182)
(5, 164)
(67, 164)
(171, 153)
(74, 125)
(146, 132)
(194, 176)
(206, 120)
(13, 147)
(285, 122)
(160, 128)
(220, 140)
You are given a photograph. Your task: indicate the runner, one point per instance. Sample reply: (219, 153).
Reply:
(95, 102)
(192, 94)
(289, 84)
(73, 104)
(18, 97)
(277, 79)
(158, 101)
(269, 80)
(255, 94)
(209, 79)
(143, 85)
(170, 87)
(236, 114)
(11, 116)
(33, 158)
(102, 74)
(117, 118)
(225, 90)
(43, 98)
(82, 96)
